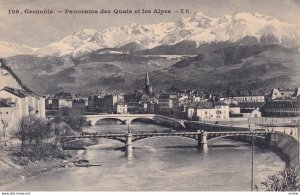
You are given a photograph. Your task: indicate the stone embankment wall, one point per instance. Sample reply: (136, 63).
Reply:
(289, 146)
(169, 122)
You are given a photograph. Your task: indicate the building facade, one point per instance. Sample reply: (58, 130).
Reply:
(249, 98)
(282, 108)
(207, 111)
(282, 103)
(211, 111)
(17, 101)
(168, 104)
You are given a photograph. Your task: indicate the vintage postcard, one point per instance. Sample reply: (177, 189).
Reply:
(140, 95)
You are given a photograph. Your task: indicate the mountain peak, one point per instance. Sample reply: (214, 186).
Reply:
(253, 17)
(87, 32)
(199, 15)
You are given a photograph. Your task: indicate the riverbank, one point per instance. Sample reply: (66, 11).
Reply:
(14, 168)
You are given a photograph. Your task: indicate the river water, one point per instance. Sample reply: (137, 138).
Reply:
(160, 164)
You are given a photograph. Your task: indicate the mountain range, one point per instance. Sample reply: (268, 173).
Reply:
(245, 28)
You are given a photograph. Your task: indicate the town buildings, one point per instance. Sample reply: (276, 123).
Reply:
(108, 103)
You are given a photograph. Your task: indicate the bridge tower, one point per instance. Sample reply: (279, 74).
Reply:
(129, 148)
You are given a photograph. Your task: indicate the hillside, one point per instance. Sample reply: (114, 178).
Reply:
(254, 67)
(234, 66)
(91, 73)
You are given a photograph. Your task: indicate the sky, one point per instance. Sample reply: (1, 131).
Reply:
(38, 30)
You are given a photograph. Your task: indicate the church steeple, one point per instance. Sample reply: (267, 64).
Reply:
(147, 81)
(148, 87)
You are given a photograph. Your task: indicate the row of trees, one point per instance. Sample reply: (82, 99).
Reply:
(37, 135)
(33, 131)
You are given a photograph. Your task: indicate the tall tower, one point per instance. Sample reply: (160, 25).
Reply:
(148, 87)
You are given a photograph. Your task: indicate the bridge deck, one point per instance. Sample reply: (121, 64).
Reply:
(156, 134)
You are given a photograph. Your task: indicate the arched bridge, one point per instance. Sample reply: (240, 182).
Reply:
(128, 118)
(201, 137)
(124, 118)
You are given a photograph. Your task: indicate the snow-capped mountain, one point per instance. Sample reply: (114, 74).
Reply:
(12, 49)
(197, 27)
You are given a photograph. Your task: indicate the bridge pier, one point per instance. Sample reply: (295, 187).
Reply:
(126, 122)
(204, 144)
(273, 139)
(93, 123)
(199, 139)
(129, 147)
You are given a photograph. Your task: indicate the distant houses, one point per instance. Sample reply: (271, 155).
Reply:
(188, 104)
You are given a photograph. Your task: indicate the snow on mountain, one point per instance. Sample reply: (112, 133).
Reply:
(78, 44)
(197, 27)
(12, 49)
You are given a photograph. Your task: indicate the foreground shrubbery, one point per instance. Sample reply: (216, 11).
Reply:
(287, 180)
(37, 153)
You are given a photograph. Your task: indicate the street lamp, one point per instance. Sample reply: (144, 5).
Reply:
(252, 159)
(298, 135)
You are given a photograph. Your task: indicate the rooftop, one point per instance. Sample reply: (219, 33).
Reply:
(205, 105)
(251, 104)
(4, 66)
(282, 104)
(18, 92)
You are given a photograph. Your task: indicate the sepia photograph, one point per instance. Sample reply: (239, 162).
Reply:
(149, 96)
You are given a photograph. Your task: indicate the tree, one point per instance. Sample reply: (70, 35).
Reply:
(42, 130)
(73, 117)
(23, 132)
(59, 129)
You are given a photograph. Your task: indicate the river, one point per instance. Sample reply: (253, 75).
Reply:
(160, 164)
